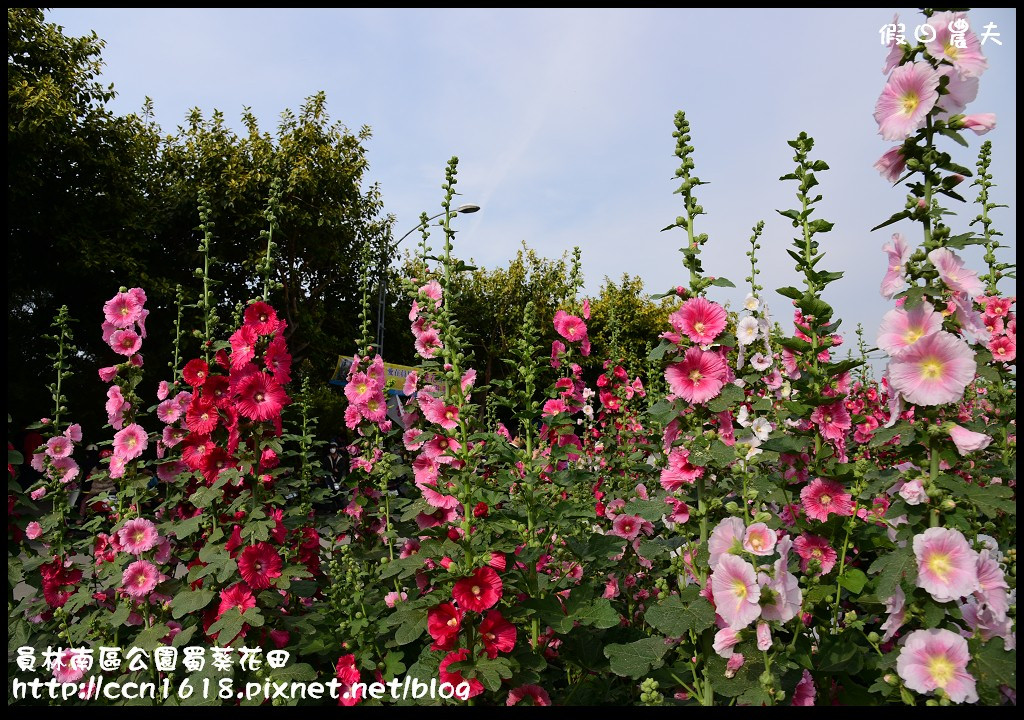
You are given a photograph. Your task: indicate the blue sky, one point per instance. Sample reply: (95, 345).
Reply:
(562, 121)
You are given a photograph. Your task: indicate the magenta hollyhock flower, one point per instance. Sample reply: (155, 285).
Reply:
(833, 420)
(243, 346)
(822, 498)
(259, 564)
(196, 372)
(967, 441)
(137, 536)
(479, 591)
(130, 442)
(679, 471)
(900, 328)
(443, 624)
(455, 678)
(725, 640)
(726, 537)
(968, 61)
(237, 596)
(908, 97)
(376, 409)
(498, 634)
(261, 317)
(1003, 348)
(736, 592)
(139, 579)
(570, 327)
(934, 370)
(66, 670)
(937, 659)
(58, 447)
(278, 360)
(125, 342)
(260, 398)
(202, 417)
(947, 566)
(428, 343)
(892, 164)
(803, 694)
(528, 695)
(700, 320)
(953, 273)
(557, 350)
(361, 388)
(33, 530)
(627, 526)
(699, 377)
(759, 539)
(122, 310)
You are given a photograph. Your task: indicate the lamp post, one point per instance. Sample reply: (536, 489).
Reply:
(463, 210)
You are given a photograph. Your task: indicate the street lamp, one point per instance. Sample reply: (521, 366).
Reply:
(461, 209)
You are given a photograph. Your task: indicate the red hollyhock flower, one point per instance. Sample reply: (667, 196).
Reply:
(481, 510)
(498, 634)
(215, 461)
(443, 624)
(194, 449)
(237, 596)
(56, 578)
(345, 670)
(196, 372)
(202, 417)
(216, 391)
(243, 346)
(260, 398)
(479, 591)
(234, 541)
(261, 317)
(278, 361)
(259, 564)
(475, 686)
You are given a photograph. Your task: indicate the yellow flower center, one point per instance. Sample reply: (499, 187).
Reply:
(361, 388)
(941, 670)
(940, 565)
(913, 335)
(952, 51)
(449, 415)
(699, 327)
(695, 375)
(475, 589)
(931, 369)
(572, 330)
(138, 536)
(132, 442)
(140, 580)
(259, 397)
(826, 499)
(756, 542)
(453, 622)
(740, 588)
(910, 102)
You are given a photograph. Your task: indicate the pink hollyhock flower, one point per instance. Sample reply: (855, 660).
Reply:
(759, 539)
(163, 390)
(725, 640)
(130, 442)
(937, 659)
(428, 343)
(967, 441)
(261, 317)
(347, 673)
(122, 310)
(38, 493)
(260, 398)
(497, 634)
(432, 290)
(947, 566)
(108, 373)
(699, 377)
(557, 350)
(700, 320)
(981, 619)
(764, 636)
(996, 306)
(456, 678)
(891, 166)
(570, 327)
(980, 123)
(992, 587)
(968, 61)
(953, 273)
(237, 596)
(896, 607)
(259, 564)
(833, 420)
(137, 536)
(906, 100)
(478, 592)
(733, 665)
(960, 91)
(822, 498)
(680, 512)
(679, 471)
(443, 624)
(895, 49)
(900, 328)
(1003, 348)
(803, 694)
(196, 372)
(125, 342)
(66, 669)
(627, 526)
(33, 530)
(139, 579)
(376, 409)
(913, 492)
(169, 411)
(447, 416)
(63, 469)
(737, 594)
(58, 447)
(528, 695)
(780, 596)
(360, 388)
(74, 433)
(394, 597)
(163, 551)
(934, 370)
(726, 537)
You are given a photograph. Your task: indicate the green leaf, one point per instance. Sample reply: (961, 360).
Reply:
(190, 601)
(636, 659)
(790, 292)
(722, 282)
(723, 454)
(300, 672)
(184, 528)
(676, 618)
(994, 665)
(853, 580)
(990, 500)
(894, 568)
(659, 352)
(599, 614)
(647, 509)
(895, 218)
